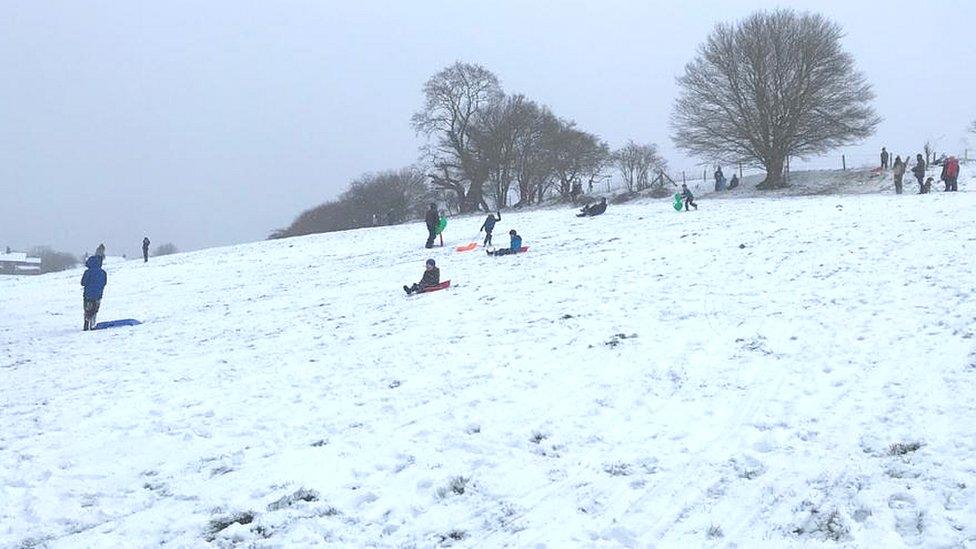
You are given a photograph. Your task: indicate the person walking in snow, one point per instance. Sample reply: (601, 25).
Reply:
(432, 277)
(432, 218)
(898, 172)
(591, 210)
(950, 174)
(919, 172)
(488, 226)
(93, 282)
(689, 198)
(884, 158)
(145, 249)
(514, 247)
(719, 180)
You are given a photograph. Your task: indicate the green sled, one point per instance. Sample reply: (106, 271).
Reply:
(441, 223)
(677, 202)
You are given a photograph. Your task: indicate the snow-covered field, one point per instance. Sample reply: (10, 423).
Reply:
(778, 372)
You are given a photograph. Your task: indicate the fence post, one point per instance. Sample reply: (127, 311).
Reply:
(683, 180)
(704, 176)
(740, 170)
(843, 161)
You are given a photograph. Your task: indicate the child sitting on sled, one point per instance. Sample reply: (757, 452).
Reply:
(432, 277)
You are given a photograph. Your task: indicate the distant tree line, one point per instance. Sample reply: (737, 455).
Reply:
(166, 249)
(776, 85)
(53, 261)
(484, 150)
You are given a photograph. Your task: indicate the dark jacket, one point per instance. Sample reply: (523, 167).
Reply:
(431, 277)
(516, 243)
(919, 169)
(145, 244)
(94, 279)
(489, 224)
(686, 193)
(596, 209)
(432, 218)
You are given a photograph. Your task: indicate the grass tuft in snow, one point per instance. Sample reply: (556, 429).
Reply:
(903, 448)
(291, 499)
(456, 486)
(617, 469)
(221, 523)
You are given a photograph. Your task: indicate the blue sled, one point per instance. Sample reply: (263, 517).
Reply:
(117, 323)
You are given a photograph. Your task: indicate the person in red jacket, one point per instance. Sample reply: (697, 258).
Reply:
(950, 174)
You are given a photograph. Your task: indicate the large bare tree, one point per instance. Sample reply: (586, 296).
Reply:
(638, 164)
(454, 99)
(775, 85)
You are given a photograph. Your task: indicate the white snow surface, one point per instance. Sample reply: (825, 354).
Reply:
(762, 372)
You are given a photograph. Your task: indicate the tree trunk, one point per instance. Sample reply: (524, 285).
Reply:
(774, 175)
(474, 198)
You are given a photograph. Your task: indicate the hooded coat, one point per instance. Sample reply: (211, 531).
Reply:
(94, 279)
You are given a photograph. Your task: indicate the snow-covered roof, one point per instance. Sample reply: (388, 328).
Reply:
(19, 257)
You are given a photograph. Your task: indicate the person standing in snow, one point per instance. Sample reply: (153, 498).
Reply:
(919, 172)
(93, 281)
(689, 198)
(898, 172)
(719, 180)
(884, 159)
(100, 250)
(432, 218)
(950, 174)
(576, 191)
(432, 277)
(145, 249)
(514, 247)
(488, 226)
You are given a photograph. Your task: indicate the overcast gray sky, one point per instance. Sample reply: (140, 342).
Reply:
(208, 123)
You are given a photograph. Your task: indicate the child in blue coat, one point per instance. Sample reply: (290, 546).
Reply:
(93, 281)
(514, 247)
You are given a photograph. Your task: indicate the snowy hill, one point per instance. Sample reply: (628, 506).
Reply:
(780, 372)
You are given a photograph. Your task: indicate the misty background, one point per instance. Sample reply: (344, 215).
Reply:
(214, 123)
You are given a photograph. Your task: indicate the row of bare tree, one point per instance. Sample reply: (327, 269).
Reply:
(775, 85)
(383, 198)
(483, 144)
(484, 150)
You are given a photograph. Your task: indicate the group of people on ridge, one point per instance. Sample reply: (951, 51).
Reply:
(949, 175)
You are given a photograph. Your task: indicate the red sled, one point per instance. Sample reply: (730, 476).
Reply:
(442, 286)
